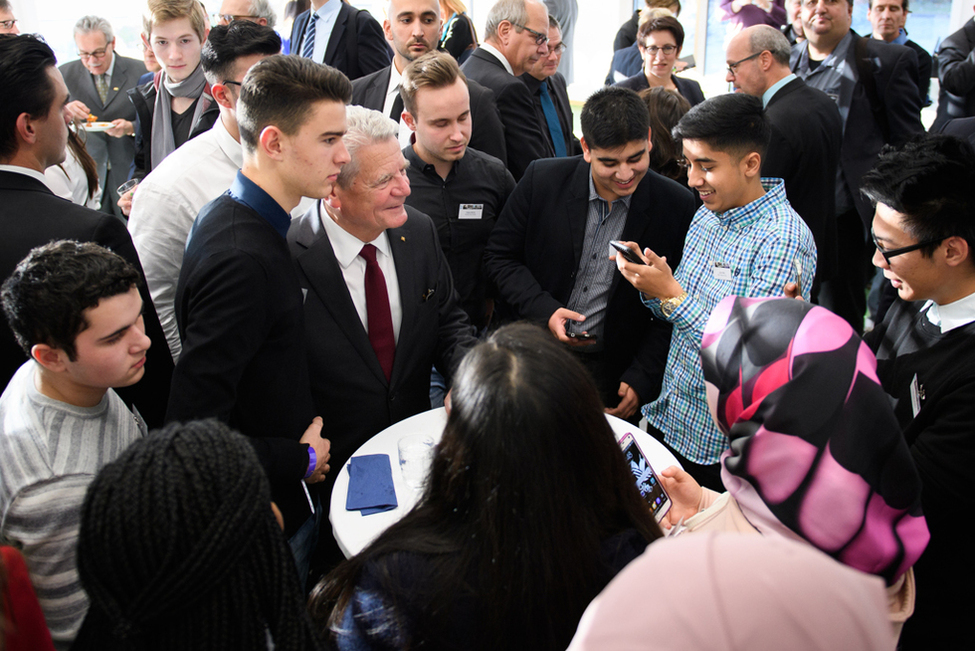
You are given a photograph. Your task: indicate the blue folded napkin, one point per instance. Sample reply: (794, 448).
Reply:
(370, 485)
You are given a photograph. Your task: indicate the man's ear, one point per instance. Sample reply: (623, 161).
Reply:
(24, 126)
(53, 359)
(649, 139)
(585, 149)
(272, 142)
(388, 30)
(409, 120)
(957, 250)
(752, 164)
(221, 95)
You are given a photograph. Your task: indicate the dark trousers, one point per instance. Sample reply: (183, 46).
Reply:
(845, 293)
(708, 476)
(606, 383)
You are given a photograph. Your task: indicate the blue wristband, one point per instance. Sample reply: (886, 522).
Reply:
(312, 462)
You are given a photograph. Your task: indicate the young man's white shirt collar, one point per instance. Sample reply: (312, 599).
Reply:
(951, 315)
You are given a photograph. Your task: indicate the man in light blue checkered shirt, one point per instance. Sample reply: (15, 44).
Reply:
(746, 240)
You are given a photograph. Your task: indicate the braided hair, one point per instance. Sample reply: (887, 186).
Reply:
(179, 549)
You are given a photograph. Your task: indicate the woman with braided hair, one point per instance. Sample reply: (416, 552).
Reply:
(179, 549)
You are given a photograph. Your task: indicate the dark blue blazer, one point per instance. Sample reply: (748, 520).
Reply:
(369, 51)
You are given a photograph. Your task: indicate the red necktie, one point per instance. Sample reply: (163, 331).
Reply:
(377, 311)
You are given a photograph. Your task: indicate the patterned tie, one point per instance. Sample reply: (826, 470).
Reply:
(101, 85)
(308, 43)
(554, 126)
(378, 316)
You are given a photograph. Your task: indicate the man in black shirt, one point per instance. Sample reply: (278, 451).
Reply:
(460, 188)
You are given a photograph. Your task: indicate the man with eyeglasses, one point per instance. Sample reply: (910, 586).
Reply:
(924, 232)
(516, 36)
(8, 24)
(551, 97)
(172, 195)
(255, 11)
(875, 86)
(98, 83)
(806, 133)
(412, 27)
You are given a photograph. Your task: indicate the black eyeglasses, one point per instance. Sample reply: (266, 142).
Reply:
(892, 253)
(540, 39)
(8, 24)
(653, 49)
(733, 67)
(229, 18)
(557, 49)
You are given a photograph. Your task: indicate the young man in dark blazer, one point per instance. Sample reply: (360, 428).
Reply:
(413, 29)
(344, 37)
(114, 149)
(34, 137)
(806, 133)
(549, 252)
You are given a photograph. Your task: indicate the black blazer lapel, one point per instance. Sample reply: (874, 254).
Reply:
(337, 32)
(401, 246)
(577, 210)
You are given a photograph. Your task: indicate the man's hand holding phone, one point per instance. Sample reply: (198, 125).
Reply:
(654, 277)
(557, 326)
(321, 446)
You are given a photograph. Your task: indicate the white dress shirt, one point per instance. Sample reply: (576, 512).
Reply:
(392, 92)
(346, 248)
(952, 315)
(324, 23)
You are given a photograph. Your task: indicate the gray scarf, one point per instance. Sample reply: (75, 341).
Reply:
(163, 142)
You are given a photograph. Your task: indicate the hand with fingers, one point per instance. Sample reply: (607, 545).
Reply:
(557, 326)
(654, 278)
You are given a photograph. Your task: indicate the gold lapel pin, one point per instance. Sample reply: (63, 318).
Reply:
(402, 238)
(115, 89)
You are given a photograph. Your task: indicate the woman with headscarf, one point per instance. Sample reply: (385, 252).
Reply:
(815, 453)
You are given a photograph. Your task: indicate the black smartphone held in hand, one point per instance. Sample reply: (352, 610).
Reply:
(626, 252)
(581, 336)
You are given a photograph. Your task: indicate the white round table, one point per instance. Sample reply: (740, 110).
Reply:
(353, 531)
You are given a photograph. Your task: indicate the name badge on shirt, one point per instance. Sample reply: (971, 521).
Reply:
(470, 211)
(721, 271)
(917, 395)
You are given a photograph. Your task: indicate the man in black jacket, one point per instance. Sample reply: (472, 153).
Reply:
(956, 74)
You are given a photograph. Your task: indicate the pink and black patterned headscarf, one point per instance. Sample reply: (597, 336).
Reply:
(813, 438)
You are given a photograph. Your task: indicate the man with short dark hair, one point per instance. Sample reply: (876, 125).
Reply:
(888, 17)
(551, 97)
(76, 311)
(99, 82)
(33, 136)
(881, 106)
(238, 300)
(461, 189)
(806, 134)
(337, 34)
(746, 240)
(515, 37)
(171, 197)
(924, 230)
(413, 29)
(255, 11)
(548, 252)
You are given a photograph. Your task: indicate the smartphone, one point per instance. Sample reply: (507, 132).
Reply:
(581, 336)
(626, 252)
(646, 479)
(798, 269)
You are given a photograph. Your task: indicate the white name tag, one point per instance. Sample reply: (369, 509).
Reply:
(721, 271)
(917, 395)
(470, 211)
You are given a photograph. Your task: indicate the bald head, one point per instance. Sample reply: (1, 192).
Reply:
(758, 57)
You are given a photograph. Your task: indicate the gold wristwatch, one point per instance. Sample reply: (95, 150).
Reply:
(668, 305)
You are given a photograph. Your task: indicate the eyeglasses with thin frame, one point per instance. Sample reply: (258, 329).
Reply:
(229, 18)
(540, 39)
(8, 24)
(666, 49)
(733, 67)
(97, 54)
(892, 253)
(557, 49)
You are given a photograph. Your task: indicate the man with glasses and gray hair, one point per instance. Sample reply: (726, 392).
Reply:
(256, 11)
(8, 24)
(516, 38)
(99, 82)
(806, 133)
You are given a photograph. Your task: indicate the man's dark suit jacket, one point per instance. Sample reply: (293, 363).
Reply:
(963, 128)
(348, 385)
(367, 53)
(522, 136)
(487, 134)
(924, 64)
(806, 133)
(31, 215)
(894, 70)
(956, 75)
(559, 93)
(102, 147)
(238, 306)
(534, 250)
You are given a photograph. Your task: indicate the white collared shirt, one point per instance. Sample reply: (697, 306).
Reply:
(392, 91)
(167, 203)
(325, 21)
(26, 171)
(346, 248)
(487, 47)
(952, 315)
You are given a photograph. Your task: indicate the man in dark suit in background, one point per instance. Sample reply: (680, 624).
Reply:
(413, 29)
(551, 97)
(99, 82)
(549, 252)
(33, 136)
(875, 86)
(806, 133)
(380, 307)
(341, 36)
(956, 75)
(888, 17)
(516, 35)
